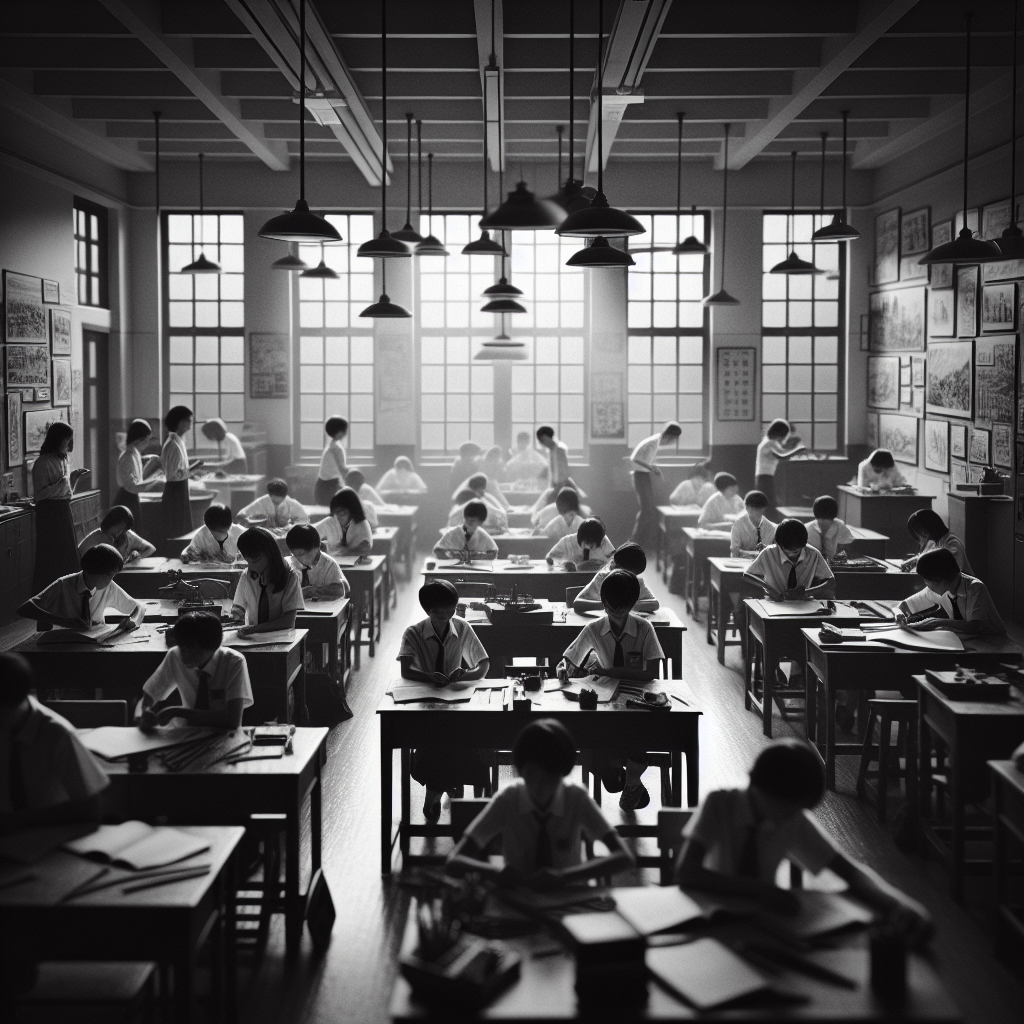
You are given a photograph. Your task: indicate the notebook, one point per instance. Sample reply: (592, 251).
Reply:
(704, 973)
(408, 692)
(277, 636)
(794, 607)
(653, 908)
(930, 640)
(79, 635)
(118, 742)
(137, 846)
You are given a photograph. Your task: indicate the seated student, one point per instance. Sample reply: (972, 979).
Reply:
(346, 530)
(48, 777)
(321, 576)
(628, 556)
(588, 549)
(461, 499)
(466, 464)
(444, 650)
(370, 499)
(402, 479)
(116, 530)
(212, 681)
(724, 506)
(493, 467)
(484, 488)
(789, 570)
(542, 819)
(696, 488)
(525, 462)
(567, 522)
(738, 837)
(878, 472)
(470, 539)
(268, 594)
(81, 598)
(619, 645)
(548, 508)
(274, 509)
(231, 457)
(930, 532)
(752, 532)
(217, 539)
(825, 532)
(951, 599)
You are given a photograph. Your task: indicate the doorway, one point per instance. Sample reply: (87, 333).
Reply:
(96, 412)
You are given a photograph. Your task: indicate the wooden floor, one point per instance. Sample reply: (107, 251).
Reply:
(352, 982)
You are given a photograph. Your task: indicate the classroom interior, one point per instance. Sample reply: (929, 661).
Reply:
(844, 140)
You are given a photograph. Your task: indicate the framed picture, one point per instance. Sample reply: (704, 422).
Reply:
(995, 219)
(1002, 445)
(1002, 270)
(268, 366)
(966, 302)
(887, 247)
(899, 434)
(948, 376)
(917, 371)
(978, 453)
(906, 401)
(42, 394)
(15, 445)
(737, 379)
(872, 433)
(936, 445)
(1020, 459)
(897, 320)
(942, 313)
(37, 422)
(24, 312)
(904, 369)
(27, 366)
(51, 291)
(911, 269)
(62, 382)
(917, 401)
(914, 232)
(1020, 415)
(993, 379)
(958, 440)
(60, 332)
(941, 275)
(999, 307)
(884, 382)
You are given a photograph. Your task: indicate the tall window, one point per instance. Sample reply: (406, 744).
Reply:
(91, 252)
(334, 355)
(803, 336)
(668, 332)
(205, 316)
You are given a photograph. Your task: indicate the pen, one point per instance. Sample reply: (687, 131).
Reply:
(78, 889)
(139, 876)
(167, 880)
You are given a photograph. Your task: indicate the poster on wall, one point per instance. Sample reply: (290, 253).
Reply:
(978, 451)
(60, 332)
(37, 423)
(15, 447)
(942, 313)
(966, 302)
(948, 376)
(887, 247)
(51, 291)
(1002, 445)
(883, 382)
(27, 366)
(914, 232)
(897, 320)
(607, 409)
(941, 274)
(993, 380)
(24, 312)
(737, 378)
(936, 445)
(899, 434)
(62, 382)
(268, 366)
(999, 307)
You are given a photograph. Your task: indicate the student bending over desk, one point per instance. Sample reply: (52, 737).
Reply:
(402, 479)
(738, 837)
(116, 530)
(878, 472)
(752, 532)
(497, 519)
(542, 819)
(589, 549)
(321, 575)
(469, 539)
(927, 528)
(274, 508)
(544, 509)
(696, 488)
(789, 570)
(268, 595)
(216, 540)
(568, 519)
(825, 532)
(370, 499)
(628, 556)
(724, 506)
(951, 599)
(346, 531)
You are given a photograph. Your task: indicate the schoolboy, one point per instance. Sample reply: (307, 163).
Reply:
(789, 570)
(567, 504)
(322, 578)
(355, 479)
(542, 819)
(116, 530)
(628, 556)
(752, 532)
(738, 837)
(212, 681)
(484, 489)
(545, 509)
(825, 532)
(81, 598)
(951, 599)
(695, 489)
(724, 506)
(525, 462)
(589, 549)
(217, 539)
(470, 540)
(275, 508)
(558, 456)
(619, 645)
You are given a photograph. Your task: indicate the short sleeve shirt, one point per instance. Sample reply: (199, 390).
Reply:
(718, 507)
(204, 547)
(972, 598)
(129, 470)
(63, 599)
(174, 456)
(646, 450)
(456, 539)
(748, 537)
(233, 446)
(340, 541)
(953, 543)
(228, 672)
(569, 549)
(773, 566)
(688, 492)
(128, 542)
(829, 541)
(639, 644)
(324, 572)
(247, 597)
(332, 462)
(461, 644)
(559, 527)
(277, 515)
(592, 591)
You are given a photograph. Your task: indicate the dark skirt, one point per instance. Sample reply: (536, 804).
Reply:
(56, 548)
(766, 484)
(441, 770)
(175, 508)
(324, 490)
(131, 502)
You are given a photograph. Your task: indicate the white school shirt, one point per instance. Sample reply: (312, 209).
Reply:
(558, 463)
(868, 476)
(525, 465)
(828, 542)
(130, 541)
(455, 539)
(718, 508)
(773, 567)
(688, 493)
(340, 541)
(496, 519)
(461, 644)
(767, 459)
(746, 536)
(247, 597)
(972, 598)
(559, 527)
(324, 572)
(63, 600)
(367, 495)
(639, 644)
(953, 543)
(174, 457)
(51, 478)
(277, 515)
(402, 480)
(549, 512)
(233, 446)
(333, 464)
(647, 450)
(129, 470)
(569, 549)
(592, 591)
(228, 672)
(204, 547)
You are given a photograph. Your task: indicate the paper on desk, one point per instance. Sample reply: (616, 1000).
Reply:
(930, 640)
(701, 532)
(793, 607)
(704, 973)
(824, 912)
(116, 742)
(407, 692)
(136, 845)
(275, 636)
(654, 908)
(602, 685)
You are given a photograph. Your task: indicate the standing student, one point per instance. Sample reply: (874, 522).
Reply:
(131, 474)
(951, 600)
(789, 570)
(175, 507)
(268, 594)
(333, 465)
(367, 495)
(466, 464)
(930, 532)
(724, 506)
(696, 488)
(752, 532)
(558, 459)
(826, 532)
(321, 576)
(567, 503)
(524, 462)
(776, 446)
(469, 539)
(116, 530)
(275, 508)
(878, 472)
(53, 483)
(230, 453)
(628, 556)
(217, 539)
(402, 479)
(346, 530)
(588, 549)
(643, 466)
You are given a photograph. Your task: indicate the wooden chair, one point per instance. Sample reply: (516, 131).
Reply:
(90, 714)
(883, 713)
(255, 902)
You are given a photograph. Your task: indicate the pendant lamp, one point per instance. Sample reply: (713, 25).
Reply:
(384, 308)
(289, 262)
(599, 218)
(503, 348)
(1011, 244)
(599, 255)
(201, 265)
(431, 245)
(484, 245)
(300, 225)
(838, 230)
(689, 246)
(408, 234)
(722, 297)
(792, 264)
(965, 248)
(503, 290)
(321, 272)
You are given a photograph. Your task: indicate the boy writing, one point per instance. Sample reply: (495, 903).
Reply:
(628, 556)
(567, 504)
(322, 578)
(217, 539)
(695, 489)
(724, 506)
(826, 533)
(789, 570)
(752, 532)
(274, 509)
(470, 540)
(589, 549)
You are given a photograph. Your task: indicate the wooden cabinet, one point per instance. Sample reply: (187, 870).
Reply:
(17, 559)
(985, 524)
(86, 512)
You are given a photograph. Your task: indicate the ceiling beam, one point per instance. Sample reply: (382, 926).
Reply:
(492, 75)
(142, 19)
(874, 19)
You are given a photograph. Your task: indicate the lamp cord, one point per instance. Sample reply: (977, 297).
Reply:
(792, 203)
(419, 167)
(156, 139)
(824, 139)
(561, 130)
(967, 111)
(1013, 120)
(572, 90)
(302, 100)
(384, 115)
(679, 172)
(600, 96)
(408, 163)
(846, 117)
(201, 238)
(725, 203)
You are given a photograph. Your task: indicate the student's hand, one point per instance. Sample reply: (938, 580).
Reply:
(439, 679)
(148, 721)
(901, 619)
(927, 624)
(570, 566)
(546, 878)
(132, 555)
(77, 474)
(780, 901)
(185, 559)
(796, 594)
(907, 565)
(458, 674)
(656, 471)
(246, 630)
(128, 626)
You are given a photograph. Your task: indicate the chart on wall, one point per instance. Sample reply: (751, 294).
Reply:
(737, 379)
(268, 366)
(899, 434)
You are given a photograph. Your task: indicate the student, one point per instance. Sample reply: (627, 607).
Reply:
(212, 681)
(370, 499)
(131, 474)
(588, 549)
(752, 532)
(216, 540)
(542, 819)
(643, 466)
(951, 599)
(274, 509)
(738, 837)
(826, 532)
(48, 777)
(82, 598)
(777, 445)
(461, 499)
(346, 531)
(558, 456)
(619, 645)
(269, 594)
(231, 457)
(175, 507)
(493, 466)
(930, 532)
(878, 472)
(466, 464)
(470, 539)
(333, 466)
(443, 649)
(724, 506)
(546, 509)
(475, 489)
(402, 479)
(628, 556)
(116, 530)
(696, 488)
(789, 570)
(321, 576)
(524, 462)
(568, 520)
(487, 490)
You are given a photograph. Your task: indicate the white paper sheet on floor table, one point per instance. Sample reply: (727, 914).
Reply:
(931, 640)
(115, 742)
(705, 973)
(410, 692)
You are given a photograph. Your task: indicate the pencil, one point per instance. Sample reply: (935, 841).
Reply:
(78, 889)
(183, 876)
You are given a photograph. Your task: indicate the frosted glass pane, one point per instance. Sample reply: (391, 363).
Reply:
(458, 407)
(547, 379)
(826, 379)
(774, 349)
(522, 379)
(179, 314)
(522, 408)
(180, 378)
(572, 380)
(800, 286)
(691, 287)
(310, 379)
(799, 378)
(773, 314)
(799, 314)
(207, 378)
(207, 406)
(664, 350)
(207, 350)
(232, 349)
(773, 286)
(825, 436)
(362, 378)
(664, 314)
(572, 408)
(826, 407)
(483, 434)
(481, 379)
(572, 286)
(336, 290)
(640, 407)
(335, 378)
(309, 436)
(232, 379)
(639, 378)
(179, 286)
(692, 436)
(336, 350)
(691, 350)
(572, 350)
(772, 254)
(362, 348)
(360, 288)
(773, 407)
(311, 314)
(638, 349)
(482, 407)
(664, 407)
(691, 380)
(232, 259)
(180, 349)
(179, 227)
(232, 228)
(311, 289)
(546, 314)
(826, 350)
(826, 314)
(336, 314)
(639, 314)
(432, 435)
(664, 286)
(232, 407)
(457, 314)
(546, 408)
(433, 411)
(800, 408)
(691, 314)
(773, 378)
(691, 409)
(664, 380)
(638, 287)
(457, 378)
(432, 314)
(362, 407)
(177, 257)
(799, 350)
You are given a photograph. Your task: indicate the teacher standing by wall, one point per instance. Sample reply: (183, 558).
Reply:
(53, 483)
(643, 466)
(175, 507)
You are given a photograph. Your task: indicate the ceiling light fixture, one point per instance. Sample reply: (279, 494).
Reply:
(484, 245)
(290, 262)
(689, 246)
(793, 264)
(502, 349)
(201, 265)
(408, 234)
(431, 245)
(503, 289)
(722, 297)
(838, 230)
(321, 271)
(599, 255)
(1011, 244)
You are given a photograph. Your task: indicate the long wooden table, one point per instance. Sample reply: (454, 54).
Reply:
(671, 521)
(538, 579)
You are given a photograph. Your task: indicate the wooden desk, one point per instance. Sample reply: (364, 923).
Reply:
(405, 518)
(385, 542)
(168, 924)
(520, 516)
(367, 583)
(1007, 820)
(540, 580)
(700, 545)
(886, 513)
(725, 576)
(801, 512)
(522, 495)
(520, 540)
(145, 577)
(985, 524)
(671, 520)
(223, 794)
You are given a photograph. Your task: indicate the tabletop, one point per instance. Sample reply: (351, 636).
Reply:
(1009, 771)
(1012, 708)
(684, 515)
(502, 571)
(149, 641)
(983, 646)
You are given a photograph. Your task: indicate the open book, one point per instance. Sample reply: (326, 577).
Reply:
(704, 973)
(79, 635)
(654, 908)
(137, 846)
(929, 640)
(409, 691)
(794, 607)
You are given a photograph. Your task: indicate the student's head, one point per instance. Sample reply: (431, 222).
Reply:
(631, 557)
(355, 479)
(523, 440)
(59, 440)
(138, 431)
(543, 753)
(926, 524)
(939, 570)
(620, 590)
(403, 464)
(336, 427)
(15, 684)
(258, 546)
(178, 420)
(474, 515)
(700, 471)
(881, 458)
(546, 436)
(791, 537)
(303, 542)
(670, 432)
(756, 504)
(787, 778)
(117, 522)
(465, 495)
(590, 533)
(218, 520)
(346, 507)
(493, 454)
(726, 484)
(477, 483)
(778, 429)
(469, 450)
(100, 564)
(199, 636)
(438, 599)
(567, 500)
(825, 509)
(277, 489)
(215, 429)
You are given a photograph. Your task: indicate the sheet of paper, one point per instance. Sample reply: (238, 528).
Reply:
(602, 685)
(109, 840)
(793, 607)
(704, 973)
(654, 908)
(930, 640)
(116, 742)
(276, 636)
(79, 635)
(824, 912)
(408, 692)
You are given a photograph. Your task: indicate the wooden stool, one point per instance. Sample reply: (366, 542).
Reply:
(256, 901)
(883, 713)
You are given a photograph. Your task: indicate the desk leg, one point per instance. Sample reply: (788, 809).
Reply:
(767, 685)
(748, 663)
(293, 914)
(316, 821)
(958, 811)
(924, 754)
(712, 609)
(375, 612)
(693, 766)
(830, 734)
(230, 945)
(724, 601)
(810, 705)
(357, 628)
(386, 782)
(675, 776)
(676, 654)
(403, 837)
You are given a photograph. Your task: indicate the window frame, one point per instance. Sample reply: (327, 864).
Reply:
(101, 271)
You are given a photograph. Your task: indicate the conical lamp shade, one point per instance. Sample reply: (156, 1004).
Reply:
(1011, 245)
(300, 226)
(201, 266)
(408, 234)
(502, 305)
(385, 309)
(691, 247)
(384, 247)
(792, 264)
(965, 248)
(289, 262)
(503, 289)
(720, 298)
(574, 195)
(431, 246)
(837, 231)
(483, 246)
(321, 272)
(503, 348)
(523, 211)
(599, 254)
(600, 219)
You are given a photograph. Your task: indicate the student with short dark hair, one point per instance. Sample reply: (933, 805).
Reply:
(487, 490)
(321, 576)
(275, 509)
(401, 479)
(628, 556)
(696, 488)
(470, 540)
(589, 549)
(367, 495)
(878, 472)
(217, 539)
(131, 474)
(175, 506)
(116, 530)
(333, 464)
(466, 464)
(951, 599)
(268, 594)
(53, 483)
(779, 444)
(643, 468)
(724, 506)
(231, 457)
(346, 531)
(826, 532)
(789, 570)
(930, 532)
(545, 509)
(753, 531)
(569, 517)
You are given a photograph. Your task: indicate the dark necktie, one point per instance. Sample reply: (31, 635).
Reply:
(586, 554)
(203, 693)
(344, 536)
(439, 660)
(305, 575)
(791, 582)
(86, 613)
(263, 609)
(223, 553)
(957, 614)
(748, 862)
(758, 528)
(618, 658)
(543, 857)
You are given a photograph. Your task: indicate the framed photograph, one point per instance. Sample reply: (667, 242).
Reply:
(60, 332)
(51, 291)
(884, 382)
(62, 382)
(24, 312)
(872, 435)
(27, 366)
(1020, 459)
(936, 445)
(942, 313)
(887, 247)
(914, 232)
(37, 422)
(917, 371)
(993, 379)
(958, 440)
(1002, 445)
(911, 269)
(15, 445)
(999, 307)
(941, 275)
(42, 394)
(978, 453)
(899, 434)
(897, 320)
(966, 302)
(949, 373)
(906, 401)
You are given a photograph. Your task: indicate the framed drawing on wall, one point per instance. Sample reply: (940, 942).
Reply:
(993, 379)
(37, 422)
(999, 307)
(914, 233)
(62, 382)
(51, 291)
(887, 247)
(268, 366)
(949, 372)
(27, 366)
(883, 382)
(899, 434)
(978, 451)
(936, 445)
(15, 446)
(24, 312)
(941, 313)
(897, 320)
(966, 302)
(941, 274)
(1002, 445)
(958, 440)
(60, 331)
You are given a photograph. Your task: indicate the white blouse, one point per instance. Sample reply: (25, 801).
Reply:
(333, 464)
(129, 470)
(174, 456)
(51, 478)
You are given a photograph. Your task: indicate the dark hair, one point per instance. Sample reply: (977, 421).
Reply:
(791, 533)
(630, 556)
(937, 564)
(545, 432)
(547, 744)
(355, 478)
(102, 559)
(620, 589)
(303, 537)
(469, 449)
(137, 430)
(277, 487)
(567, 499)
(258, 541)
(825, 507)
(174, 416)
(199, 629)
(788, 769)
(461, 497)
(118, 514)
(756, 499)
(494, 452)
(335, 425)
(672, 428)
(881, 458)
(475, 510)
(777, 428)
(590, 532)
(404, 461)
(477, 482)
(56, 434)
(438, 594)
(217, 517)
(215, 429)
(928, 522)
(16, 673)
(347, 499)
(701, 469)
(724, 480)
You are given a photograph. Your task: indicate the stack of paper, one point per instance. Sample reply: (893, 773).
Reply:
(118, 742)
(407, 692)
(930, 640)
(704, 973)
(136, 845)
(653, 908)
